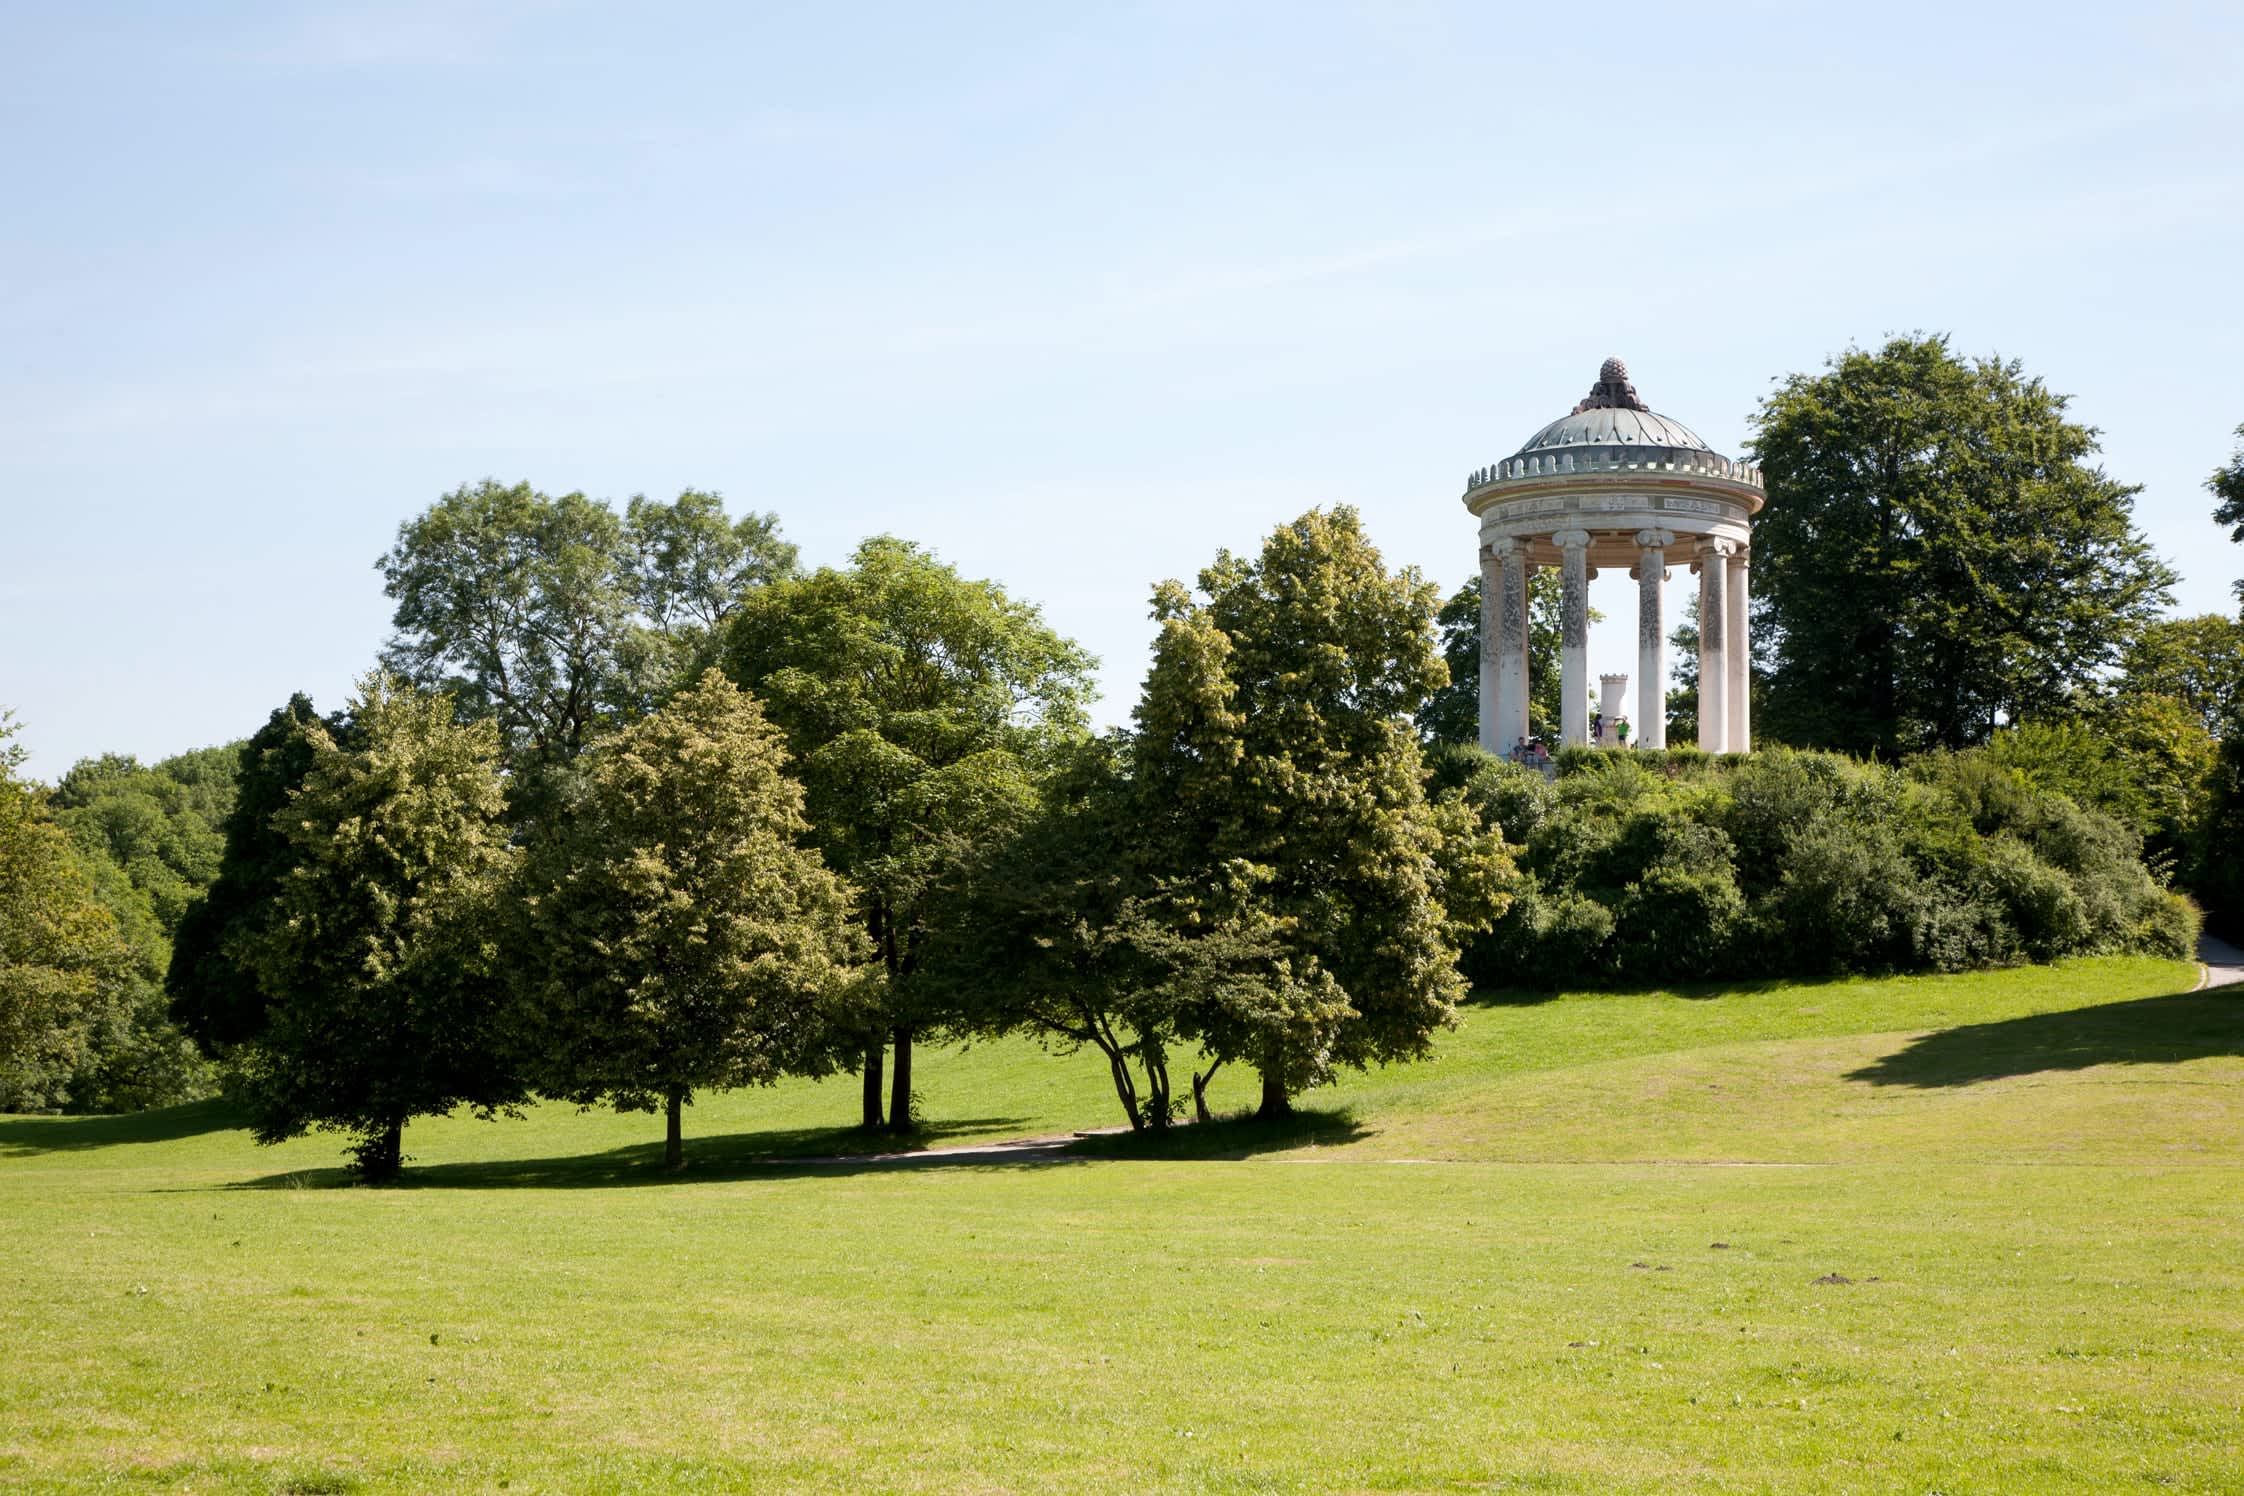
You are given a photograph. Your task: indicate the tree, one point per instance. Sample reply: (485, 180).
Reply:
(2218, 875)
(678, 935)
(1452, 713)
(380, 968)
(2227, 485)
(63, 965)
(1282, 791)
(921, 708)
(1937, 555)
(2196, 661)
(150, 839)
(211, 977)
(557, 620)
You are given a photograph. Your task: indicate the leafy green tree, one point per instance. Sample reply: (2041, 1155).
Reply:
(1937, 555)
(1452, 713)
(679, 935)
(64, 967)
(921, 708)
(2218, 875)
(2227, 485)
(2142, 760)
(558, 620)
(211, 977)
(1282, 785)
(2196, 661)
(380, 969)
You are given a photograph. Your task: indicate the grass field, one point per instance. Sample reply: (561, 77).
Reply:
(1979, 1234)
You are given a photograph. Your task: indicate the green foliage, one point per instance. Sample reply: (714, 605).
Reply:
(65, 970)
(2142, 760)
(675, 935)
(556, 619)
(2196, 661)
(1452, 711)
(211, 978)
(1281, 782)
(921, 708)
(2227, 488)
(380, 967)
(1646, 868)
(1937, 554)
(2217, 844)
(89, 1032)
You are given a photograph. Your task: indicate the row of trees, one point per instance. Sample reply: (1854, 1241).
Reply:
(873, 813)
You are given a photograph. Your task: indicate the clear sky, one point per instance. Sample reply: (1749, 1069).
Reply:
(1075, 294)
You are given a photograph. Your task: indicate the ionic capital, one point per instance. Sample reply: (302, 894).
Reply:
(1715, 545)
(1655, 540)
(1500, 547)
(1571, 540)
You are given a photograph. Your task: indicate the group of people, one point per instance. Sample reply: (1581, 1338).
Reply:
(1536, 754)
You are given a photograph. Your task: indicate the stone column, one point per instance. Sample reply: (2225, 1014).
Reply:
(1491, 653)
(1714, 613)
(1511, 660)
(1612, 705)
(1573, 704)
(1651, 638)
(1739, 667)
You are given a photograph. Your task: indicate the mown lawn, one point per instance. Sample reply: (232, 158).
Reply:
(1592, 1246)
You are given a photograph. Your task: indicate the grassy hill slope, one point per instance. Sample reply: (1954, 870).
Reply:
(1590, 1246)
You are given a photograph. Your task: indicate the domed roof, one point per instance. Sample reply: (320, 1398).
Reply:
(1612, 431)
(1615, 428)
(1611, 416)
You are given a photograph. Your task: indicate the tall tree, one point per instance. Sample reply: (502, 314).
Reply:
(212, 977)
(380, 969)
(921, 707)
(63, 965)
(2227, 485)
(1452, 713)
(1937, 555)
(1275, 746)
(558, 620)
(2196, 661)
(680, 936)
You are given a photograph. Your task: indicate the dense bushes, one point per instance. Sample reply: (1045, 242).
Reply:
(1679, 866)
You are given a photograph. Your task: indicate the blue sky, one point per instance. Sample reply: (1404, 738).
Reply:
(1074, 294)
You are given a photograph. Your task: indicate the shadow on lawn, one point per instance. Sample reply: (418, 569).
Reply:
(2148, 1031)
(738, 1155)
(830, 1152)
(29, 1135)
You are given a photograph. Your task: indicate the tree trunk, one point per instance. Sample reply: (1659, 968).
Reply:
(872, 1119)
(381, 1155)
(1200, 1111)
(1276, 1105)
(900, 1086)
(674, 1140)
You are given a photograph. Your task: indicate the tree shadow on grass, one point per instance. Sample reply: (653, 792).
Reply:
(740, 1155)
(20, 1136)
(832, 1152)
(1230, 1138)
(2148, 1031)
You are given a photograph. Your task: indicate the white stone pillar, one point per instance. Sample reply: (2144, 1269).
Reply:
(1714, 612)
(1511, 661)
(1573, 705)
(1612, 706)
(1651, 638)
(1491, 654)
(1739, 667)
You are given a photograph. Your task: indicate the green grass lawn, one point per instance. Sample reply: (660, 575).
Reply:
(1588, 1247)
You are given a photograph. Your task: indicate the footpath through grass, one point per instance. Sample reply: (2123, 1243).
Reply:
(1957, 1234)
